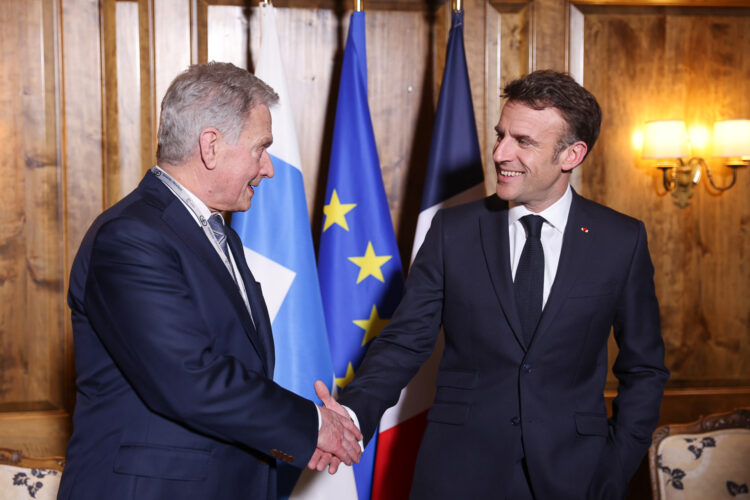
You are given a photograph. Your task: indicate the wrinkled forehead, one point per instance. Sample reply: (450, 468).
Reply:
(518, 118)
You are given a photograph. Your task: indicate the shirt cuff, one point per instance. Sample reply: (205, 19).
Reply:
(354, 418)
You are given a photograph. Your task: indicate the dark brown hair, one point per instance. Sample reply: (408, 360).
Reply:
(551, 89)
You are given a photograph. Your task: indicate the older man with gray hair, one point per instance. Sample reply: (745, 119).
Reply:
(174, 353)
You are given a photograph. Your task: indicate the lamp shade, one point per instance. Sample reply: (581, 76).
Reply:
(732, 138)
(665, 139)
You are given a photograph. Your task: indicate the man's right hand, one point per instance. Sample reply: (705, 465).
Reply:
(338, 436)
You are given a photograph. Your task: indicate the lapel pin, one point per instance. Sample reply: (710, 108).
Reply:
(585, 229)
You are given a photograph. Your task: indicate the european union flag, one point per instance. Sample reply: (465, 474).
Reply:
(358, 263)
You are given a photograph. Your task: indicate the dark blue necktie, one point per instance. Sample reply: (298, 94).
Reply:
(529, 281)
(217, 226)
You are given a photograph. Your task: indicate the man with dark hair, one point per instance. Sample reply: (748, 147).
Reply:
(174, 353)
(527, 292)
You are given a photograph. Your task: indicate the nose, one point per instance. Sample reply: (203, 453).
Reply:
(501, 152)
(266, 165)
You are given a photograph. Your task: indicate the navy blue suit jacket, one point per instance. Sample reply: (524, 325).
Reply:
(499, 400)
(175, 393)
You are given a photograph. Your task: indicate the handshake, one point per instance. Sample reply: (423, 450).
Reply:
(338, 437)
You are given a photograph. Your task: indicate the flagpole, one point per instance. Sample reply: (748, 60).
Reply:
(359, 5)
(266, 3)
(457, 7)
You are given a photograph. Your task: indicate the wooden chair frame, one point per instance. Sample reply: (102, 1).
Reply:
(18, 459)
(737, 419)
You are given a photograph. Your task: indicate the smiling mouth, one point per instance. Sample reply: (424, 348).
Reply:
(510, 173)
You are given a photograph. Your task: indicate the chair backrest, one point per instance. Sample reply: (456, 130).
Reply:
(705, 459)
(23, 477)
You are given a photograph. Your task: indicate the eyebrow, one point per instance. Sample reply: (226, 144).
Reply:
(519, 137)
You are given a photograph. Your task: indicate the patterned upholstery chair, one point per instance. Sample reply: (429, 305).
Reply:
(23, 477)
(708, 459)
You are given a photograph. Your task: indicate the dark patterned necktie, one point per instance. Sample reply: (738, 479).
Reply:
(217, 226)
(529, 282)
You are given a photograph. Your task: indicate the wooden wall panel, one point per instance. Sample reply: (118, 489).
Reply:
(172, 45)
(128, 76)
(81, 80)
(549, 35)
(227, 35)
(147, 63)
(646, 63)
(112, 189)
(31, 258)
(83, 165)
(475, 41)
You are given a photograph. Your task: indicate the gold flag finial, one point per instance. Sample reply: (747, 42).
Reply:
(457, 6)
(359, 5)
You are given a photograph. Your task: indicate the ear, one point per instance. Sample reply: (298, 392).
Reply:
(208, 143)
(573, 155)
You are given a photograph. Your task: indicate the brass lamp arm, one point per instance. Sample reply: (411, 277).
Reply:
(734, 177)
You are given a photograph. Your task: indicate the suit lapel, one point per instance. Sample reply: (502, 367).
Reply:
(575, 252)
(176, 216)
(255, 298)
(493, 231)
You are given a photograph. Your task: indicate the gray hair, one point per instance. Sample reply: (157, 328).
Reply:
(215, 94)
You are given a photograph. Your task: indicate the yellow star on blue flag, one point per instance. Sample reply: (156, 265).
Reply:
(372, 325)
(336, 211)
(370, 264)
(344, 381)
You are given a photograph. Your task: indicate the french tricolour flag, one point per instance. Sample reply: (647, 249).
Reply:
(454, 176)
(279, 250)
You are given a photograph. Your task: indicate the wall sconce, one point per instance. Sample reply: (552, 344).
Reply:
(669, 142)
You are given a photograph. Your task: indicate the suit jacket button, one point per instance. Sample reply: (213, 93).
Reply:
(526, 368)
(285, 457)
(515, 421)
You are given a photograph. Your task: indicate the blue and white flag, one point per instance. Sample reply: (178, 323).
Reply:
(279, 249)
(359, 264)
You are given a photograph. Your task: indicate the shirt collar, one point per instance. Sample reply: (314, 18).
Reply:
(556, 215)
(195, 206)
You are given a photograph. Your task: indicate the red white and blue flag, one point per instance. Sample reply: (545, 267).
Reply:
(454, 176)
